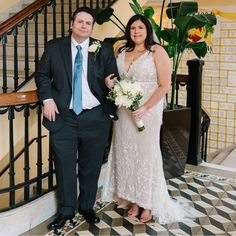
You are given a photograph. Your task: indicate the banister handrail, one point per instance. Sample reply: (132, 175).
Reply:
(18, 98)
(21, 15)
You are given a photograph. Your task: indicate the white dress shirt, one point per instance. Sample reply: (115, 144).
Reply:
(88, 99)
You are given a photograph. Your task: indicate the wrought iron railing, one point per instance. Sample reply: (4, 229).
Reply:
(194, 102)
(25, 184)
(204, 133)
(23, 37)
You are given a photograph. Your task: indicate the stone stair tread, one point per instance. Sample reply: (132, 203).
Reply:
(20, 58)
(230, 159)
(221, 155)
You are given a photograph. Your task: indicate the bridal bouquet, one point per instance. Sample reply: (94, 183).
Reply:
(127, 93)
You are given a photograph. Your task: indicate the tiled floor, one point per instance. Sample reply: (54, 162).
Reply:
(213, 197)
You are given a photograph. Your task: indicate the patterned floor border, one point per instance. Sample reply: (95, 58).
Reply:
(213, 198)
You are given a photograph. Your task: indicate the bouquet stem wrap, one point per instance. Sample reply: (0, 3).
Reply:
(139, 123)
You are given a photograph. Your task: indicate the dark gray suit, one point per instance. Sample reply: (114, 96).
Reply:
(86, 133)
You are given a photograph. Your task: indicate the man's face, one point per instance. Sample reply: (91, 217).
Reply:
(82, 26)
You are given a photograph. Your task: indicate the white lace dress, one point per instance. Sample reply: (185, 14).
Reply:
(134, 168)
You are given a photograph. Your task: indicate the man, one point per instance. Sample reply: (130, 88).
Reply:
(71, 84)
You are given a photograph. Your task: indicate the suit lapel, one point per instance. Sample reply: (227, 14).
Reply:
(67, 57)
(90, 69)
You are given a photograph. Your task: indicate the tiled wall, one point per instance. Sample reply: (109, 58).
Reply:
(219, 84)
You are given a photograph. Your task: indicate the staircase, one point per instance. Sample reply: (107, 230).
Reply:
(225, 157)
(23, 46)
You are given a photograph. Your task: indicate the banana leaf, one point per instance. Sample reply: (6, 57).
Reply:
(178, 9)
(103, 15)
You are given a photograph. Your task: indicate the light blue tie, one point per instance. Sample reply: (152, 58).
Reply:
(77, 81)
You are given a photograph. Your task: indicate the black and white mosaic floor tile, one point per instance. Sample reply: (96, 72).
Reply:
(213, 198)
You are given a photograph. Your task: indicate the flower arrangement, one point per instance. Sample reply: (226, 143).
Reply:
(127, 93)
(95, 48)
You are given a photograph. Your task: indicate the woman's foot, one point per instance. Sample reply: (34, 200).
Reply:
(146, 216)
(134, 210)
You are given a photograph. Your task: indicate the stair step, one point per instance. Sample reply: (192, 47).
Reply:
(101, 228)
(220, 155)
(212, 155)
(83, 233)
(230, 160)
(21, 50)
(112, 218)
(21, 63)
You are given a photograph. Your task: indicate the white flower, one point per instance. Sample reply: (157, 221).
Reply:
(95, 46)
(123, 101)
(127, 93)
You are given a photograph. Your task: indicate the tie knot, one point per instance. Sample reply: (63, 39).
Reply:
(78, 47)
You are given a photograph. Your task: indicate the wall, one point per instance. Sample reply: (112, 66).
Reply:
(10, 6)
(219, 74)
(219, 81)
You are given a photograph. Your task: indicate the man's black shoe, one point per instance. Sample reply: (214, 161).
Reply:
(90, 216)
(59, 221)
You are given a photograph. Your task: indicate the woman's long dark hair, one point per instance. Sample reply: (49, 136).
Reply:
(149, 39)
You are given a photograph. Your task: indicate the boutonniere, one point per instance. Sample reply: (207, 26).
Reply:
(95, 48)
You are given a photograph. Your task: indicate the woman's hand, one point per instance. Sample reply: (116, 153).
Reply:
(137, 114)
(110, 81)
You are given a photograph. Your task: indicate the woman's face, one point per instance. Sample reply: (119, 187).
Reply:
(138, 32)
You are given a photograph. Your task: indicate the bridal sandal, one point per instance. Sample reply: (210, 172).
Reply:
(146, 216)
(134, 210)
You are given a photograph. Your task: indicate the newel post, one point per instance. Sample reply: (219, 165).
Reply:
(194, 97)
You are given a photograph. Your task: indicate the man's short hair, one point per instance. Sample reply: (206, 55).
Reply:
(83, 9)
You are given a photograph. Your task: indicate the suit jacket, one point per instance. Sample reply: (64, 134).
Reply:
(54, 77)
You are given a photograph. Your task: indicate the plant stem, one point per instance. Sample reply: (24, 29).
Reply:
(119, 20)
(176, 61)
(117, 25)
(171, 20)
(162, 9)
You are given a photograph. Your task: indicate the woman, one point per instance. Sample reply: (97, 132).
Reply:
(135, 173)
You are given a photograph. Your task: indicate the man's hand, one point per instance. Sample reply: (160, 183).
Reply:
(110, 81)
(50, 110)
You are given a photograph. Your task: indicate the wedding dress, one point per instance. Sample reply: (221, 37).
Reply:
(134, 168)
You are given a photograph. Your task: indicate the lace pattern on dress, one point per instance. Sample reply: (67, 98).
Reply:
(134, 168)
